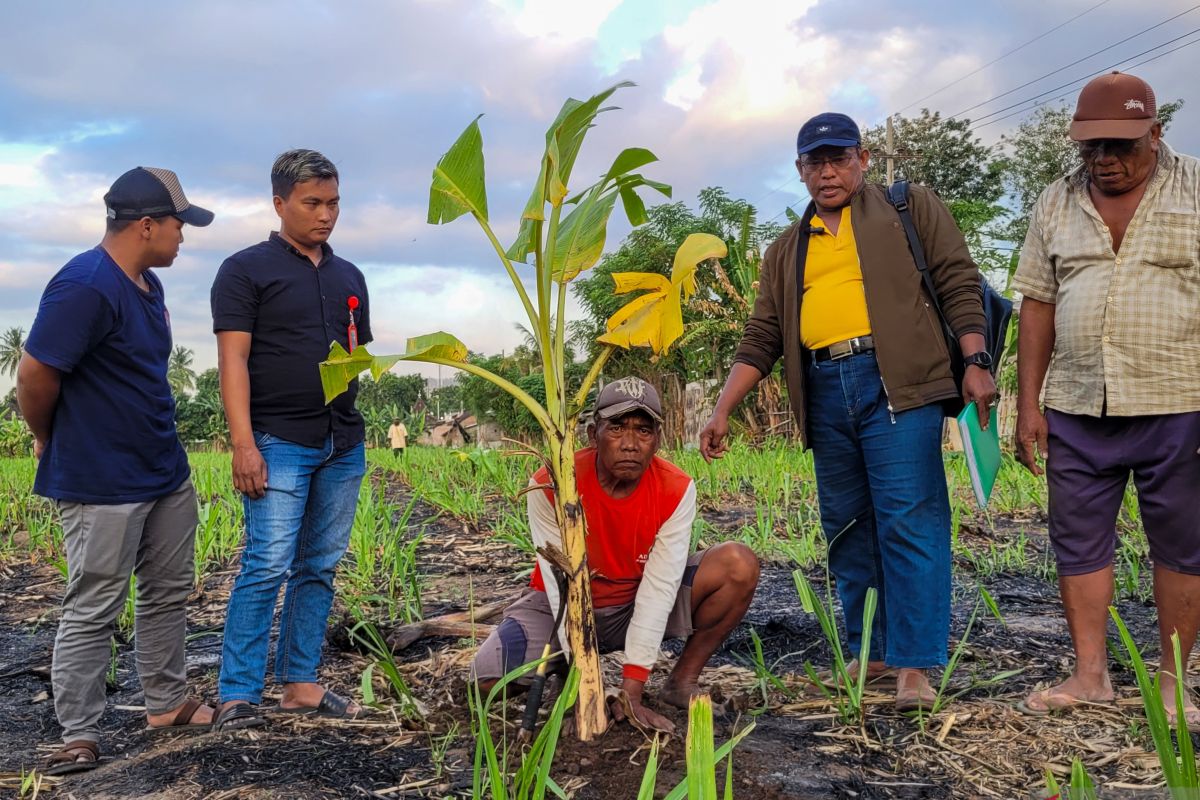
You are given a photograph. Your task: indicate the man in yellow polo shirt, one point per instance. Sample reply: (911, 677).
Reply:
(867, 370)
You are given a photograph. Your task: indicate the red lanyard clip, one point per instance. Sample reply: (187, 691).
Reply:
(352, 330)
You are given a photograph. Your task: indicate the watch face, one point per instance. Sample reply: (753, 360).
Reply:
(983, 359)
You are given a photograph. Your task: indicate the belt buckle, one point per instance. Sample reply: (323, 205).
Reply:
(849, 351)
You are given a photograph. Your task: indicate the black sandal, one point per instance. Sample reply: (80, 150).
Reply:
(237, 717)
(80, 755)
(332, 706)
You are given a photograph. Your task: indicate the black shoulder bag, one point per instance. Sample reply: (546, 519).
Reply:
(996, 307)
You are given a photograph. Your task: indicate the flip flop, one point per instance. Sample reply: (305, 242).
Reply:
(80, 755)
(332, 706)
(1047, 695)
(884, 679)
(236, 717)
(183, 721)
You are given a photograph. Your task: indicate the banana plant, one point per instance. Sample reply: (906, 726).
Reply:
(560, 236)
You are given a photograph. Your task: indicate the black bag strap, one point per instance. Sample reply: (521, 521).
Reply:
(897, 195)
(805, 225)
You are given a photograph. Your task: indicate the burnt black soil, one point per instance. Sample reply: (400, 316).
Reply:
(798, 748)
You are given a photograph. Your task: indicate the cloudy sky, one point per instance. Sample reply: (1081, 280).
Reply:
(215, 90)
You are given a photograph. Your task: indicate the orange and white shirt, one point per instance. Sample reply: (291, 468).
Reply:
(637, 548)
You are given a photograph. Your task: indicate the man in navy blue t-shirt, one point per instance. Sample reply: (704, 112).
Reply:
(92, 385)
(297, 461)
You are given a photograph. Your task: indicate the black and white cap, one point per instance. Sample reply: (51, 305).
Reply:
(625, 395)
(152, 192)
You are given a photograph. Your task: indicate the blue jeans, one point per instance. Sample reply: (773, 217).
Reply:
(882, 475)
(298, 531)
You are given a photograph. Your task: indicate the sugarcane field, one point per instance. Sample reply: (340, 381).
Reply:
(439, 535)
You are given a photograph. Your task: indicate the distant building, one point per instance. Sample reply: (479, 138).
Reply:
(462, 430)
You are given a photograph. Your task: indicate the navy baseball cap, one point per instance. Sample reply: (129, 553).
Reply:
(152, 192)
(828, 130)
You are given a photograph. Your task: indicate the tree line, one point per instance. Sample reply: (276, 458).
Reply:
(990, 190)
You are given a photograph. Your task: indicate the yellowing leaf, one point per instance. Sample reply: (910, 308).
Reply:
(696, 248)
(655, 319)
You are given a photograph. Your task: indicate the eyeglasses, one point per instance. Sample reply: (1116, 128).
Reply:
(815, 165)
(1092, 149)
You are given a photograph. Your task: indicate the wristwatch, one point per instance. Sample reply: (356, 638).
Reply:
(981, 359)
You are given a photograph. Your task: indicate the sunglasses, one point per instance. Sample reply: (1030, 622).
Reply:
(1091, 149)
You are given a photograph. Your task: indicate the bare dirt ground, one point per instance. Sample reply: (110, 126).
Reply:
(980, 746)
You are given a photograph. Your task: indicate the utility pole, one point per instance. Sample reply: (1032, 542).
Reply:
(891, 153)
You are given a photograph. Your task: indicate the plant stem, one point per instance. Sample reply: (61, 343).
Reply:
(520, 394)
(591, 716)
(589, 379)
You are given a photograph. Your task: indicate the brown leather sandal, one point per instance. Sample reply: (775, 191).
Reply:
(79, 755)
(915, 695)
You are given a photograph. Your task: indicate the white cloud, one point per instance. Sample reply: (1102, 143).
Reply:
(565, 19)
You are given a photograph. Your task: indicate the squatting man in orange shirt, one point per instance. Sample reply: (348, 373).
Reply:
(639, 510)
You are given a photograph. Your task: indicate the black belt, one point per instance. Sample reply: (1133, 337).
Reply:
(840, 350)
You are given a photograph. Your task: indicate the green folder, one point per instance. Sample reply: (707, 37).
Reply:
(982, 449)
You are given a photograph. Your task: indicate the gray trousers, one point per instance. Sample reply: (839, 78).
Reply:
(155, 541)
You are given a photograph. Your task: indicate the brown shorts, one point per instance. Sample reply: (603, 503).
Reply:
(529, 622)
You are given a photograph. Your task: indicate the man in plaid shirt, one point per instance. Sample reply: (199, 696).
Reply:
(1110, 329)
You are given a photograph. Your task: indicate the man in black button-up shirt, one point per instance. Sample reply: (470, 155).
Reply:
(297, 461)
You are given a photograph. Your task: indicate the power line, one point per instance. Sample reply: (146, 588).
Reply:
(1075, 62)
(778, 188)
(1101, 71)
(999, 58)
(788, 207)
(1072, 92)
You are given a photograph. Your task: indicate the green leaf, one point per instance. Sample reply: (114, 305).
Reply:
(458, 181)
(1052, 783)
(681, 789)
(650, 776)
(701, 763)
(368, 690)
(628, 160)
(1082, 787)
(563, 141)
(340, 367)
(1156, 715)
(635, 207)
(581, 236)
(434, 345)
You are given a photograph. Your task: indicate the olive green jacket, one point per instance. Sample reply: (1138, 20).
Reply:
(909, 344)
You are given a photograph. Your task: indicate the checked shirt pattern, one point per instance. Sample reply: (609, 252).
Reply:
(1127, 324)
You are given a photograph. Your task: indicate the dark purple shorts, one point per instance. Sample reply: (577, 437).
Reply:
(1087, 468)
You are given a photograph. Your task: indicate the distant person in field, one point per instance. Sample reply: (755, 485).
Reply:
(297, 461)
(398, 434)
(92, 385)
(867, 371)
(639, 511)
(1109, 331)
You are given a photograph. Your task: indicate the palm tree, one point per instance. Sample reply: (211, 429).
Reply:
(12, 344)
(180, 375)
